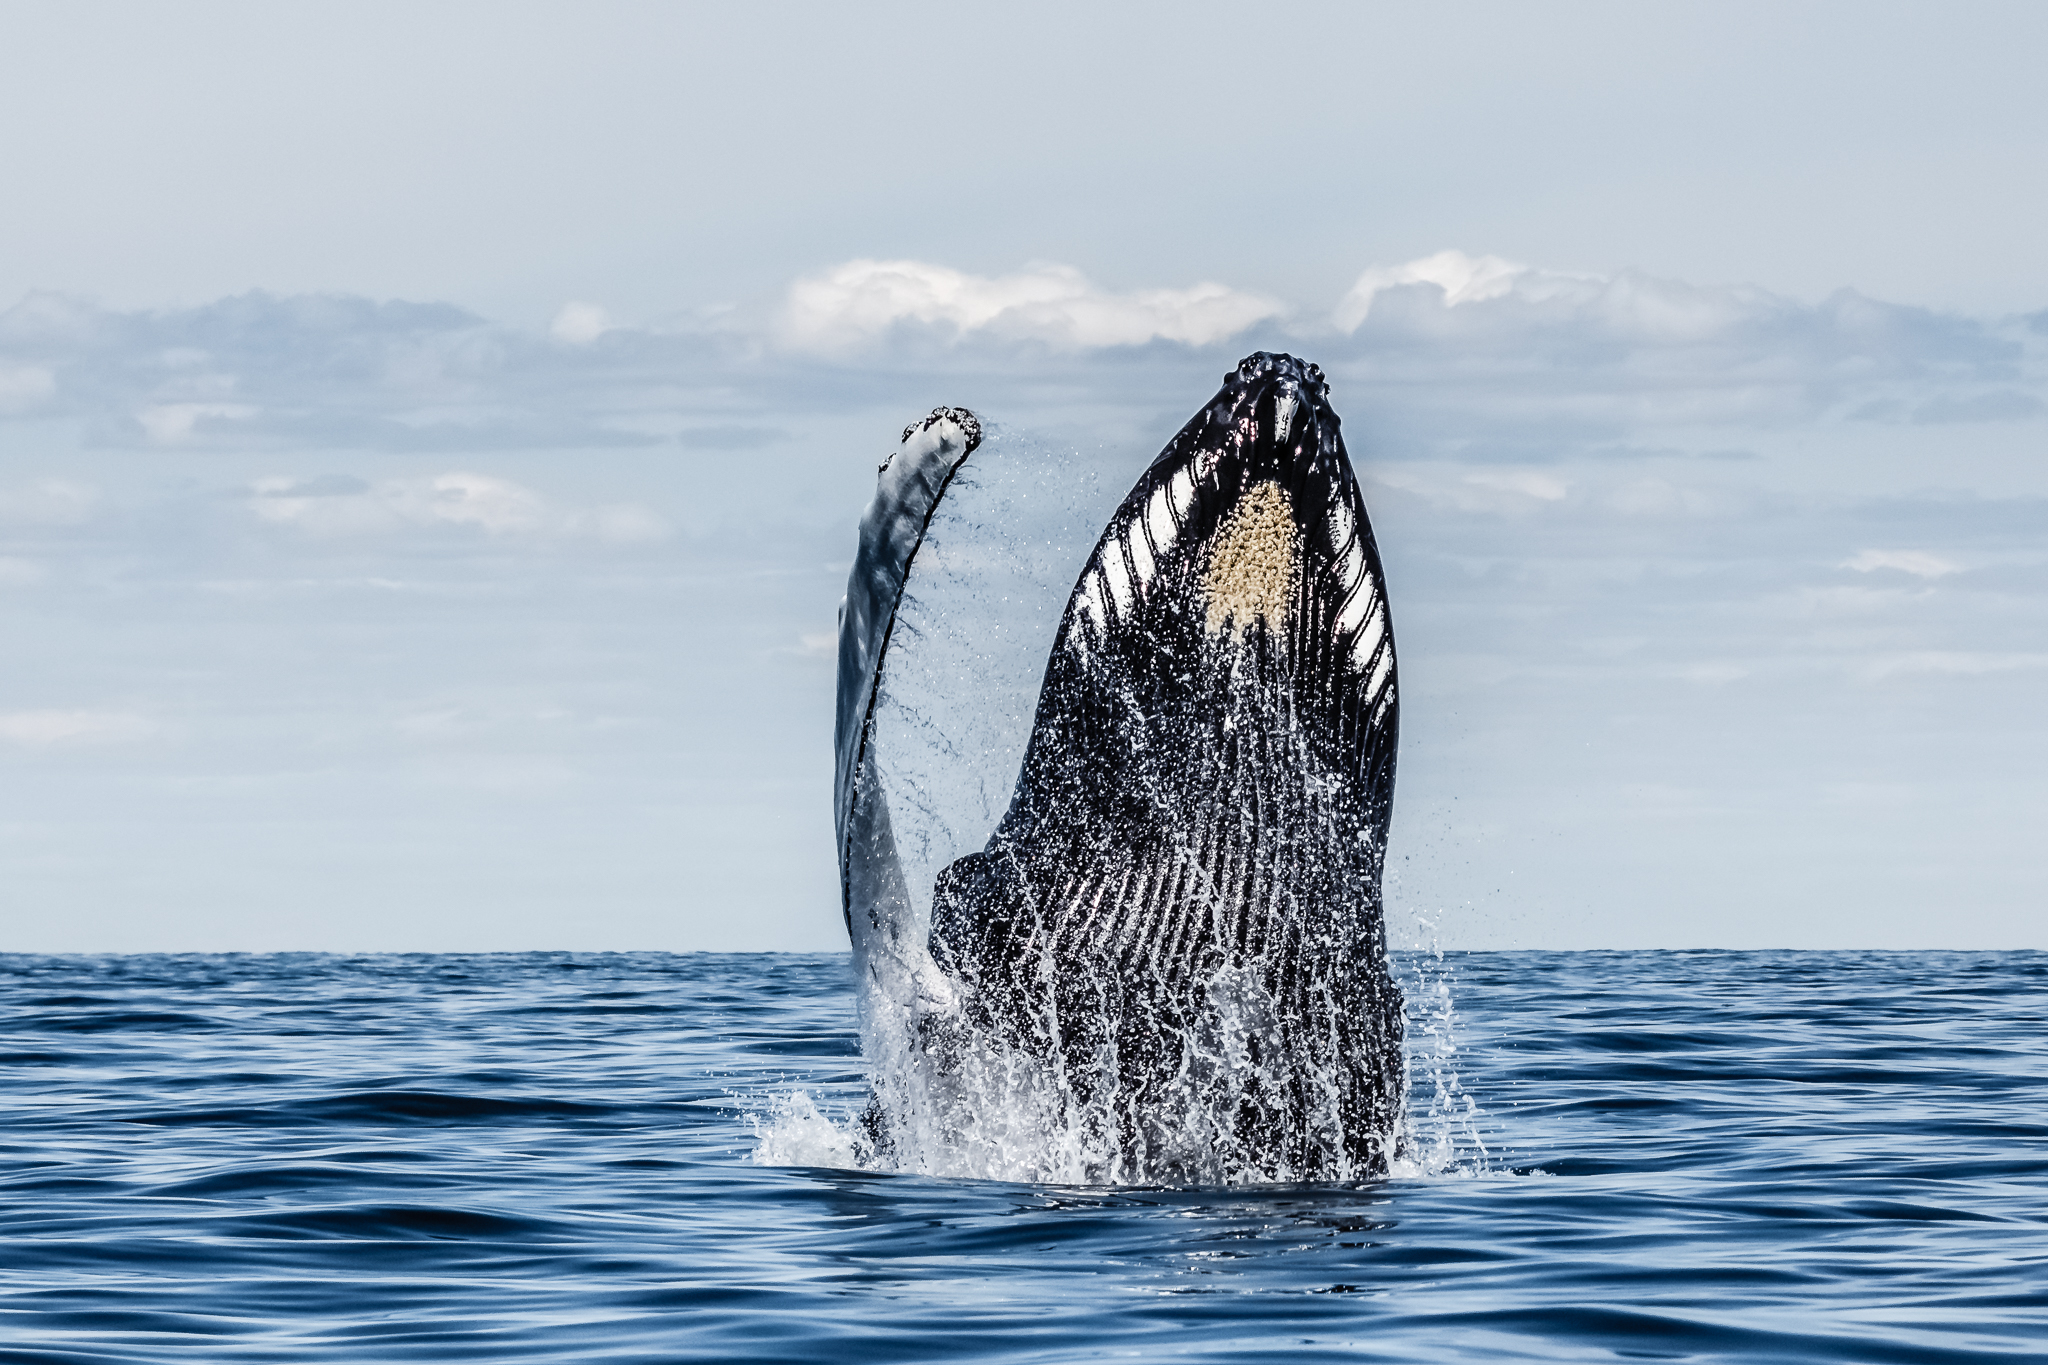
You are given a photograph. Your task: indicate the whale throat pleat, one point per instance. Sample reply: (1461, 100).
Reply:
(1159, 521)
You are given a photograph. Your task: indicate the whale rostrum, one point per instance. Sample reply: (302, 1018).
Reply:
(1171, 948)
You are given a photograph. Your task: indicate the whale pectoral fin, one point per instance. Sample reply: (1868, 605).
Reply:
(908, 489)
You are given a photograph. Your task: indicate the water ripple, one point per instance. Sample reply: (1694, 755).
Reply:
(1827, 1157)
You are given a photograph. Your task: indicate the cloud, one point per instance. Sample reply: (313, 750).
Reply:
(1482, 359)
(1542, 487)
(340, 505)
(579, 324)
(174, 423)
(1452, 356)
(263, 372)
(1917, 562)
(42, 729)
(1526, 300)
(1494, 491)
(49, 502)
(1956, 663)
(1714, 674)
(1461, 278)
(24, 387)
(864, 301)
(1664, 498)
(1827, 603)
(1998, 405)
(729, 436)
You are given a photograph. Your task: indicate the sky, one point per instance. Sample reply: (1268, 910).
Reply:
(431, 441)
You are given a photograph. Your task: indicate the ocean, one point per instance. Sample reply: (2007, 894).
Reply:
(1769, 1156)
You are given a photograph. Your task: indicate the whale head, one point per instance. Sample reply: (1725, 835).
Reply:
(1250, 521)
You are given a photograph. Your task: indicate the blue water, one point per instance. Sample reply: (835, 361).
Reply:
(1696, 1156)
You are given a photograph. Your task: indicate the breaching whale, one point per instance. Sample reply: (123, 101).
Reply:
(1170, 951)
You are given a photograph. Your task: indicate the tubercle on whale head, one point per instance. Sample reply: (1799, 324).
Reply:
(1283, 368)
(1273, 413)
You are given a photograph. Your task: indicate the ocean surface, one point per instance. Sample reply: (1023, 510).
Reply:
(1640, 1156)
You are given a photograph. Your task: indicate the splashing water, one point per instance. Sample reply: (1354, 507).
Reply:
(1003, 1124)
(795, 1132)
(1442, 1138)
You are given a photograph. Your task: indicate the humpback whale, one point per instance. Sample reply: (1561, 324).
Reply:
(1170, 951)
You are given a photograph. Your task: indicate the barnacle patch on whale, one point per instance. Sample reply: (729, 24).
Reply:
(1253, 564)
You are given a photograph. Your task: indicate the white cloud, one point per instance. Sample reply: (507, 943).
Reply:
(1844, 603)
(1485, 490)
(1623, 305)
(170, 423)
(579, 324)
(1714, 674)
(462, 499)
(1917, 562)
(1956, 663)
(1528, 483)
(23, 387)
(1474, 354)
(49, 502)
(1663, 498)
(338, 505)
(41, 729)
(1473, 357)
(1870, 793)
(619, 523)
(19, 573)
(1524, 302)
(862, 300)
(1462, 278)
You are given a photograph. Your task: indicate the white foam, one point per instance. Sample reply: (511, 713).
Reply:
(795, 1132)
